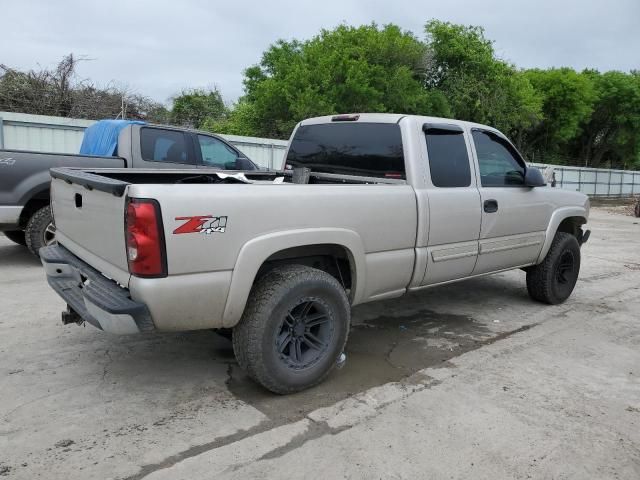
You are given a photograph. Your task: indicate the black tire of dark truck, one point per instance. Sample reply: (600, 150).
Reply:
(294, 328)
(16, 236)
(40, 230)
(553, 280)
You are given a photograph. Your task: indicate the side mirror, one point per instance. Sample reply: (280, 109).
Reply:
(533, 178)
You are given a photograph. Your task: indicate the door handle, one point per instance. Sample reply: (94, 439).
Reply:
(491, 206)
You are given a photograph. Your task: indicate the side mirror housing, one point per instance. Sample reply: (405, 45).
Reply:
(533, 178)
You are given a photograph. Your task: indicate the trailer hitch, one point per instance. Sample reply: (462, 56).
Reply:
(71, 316)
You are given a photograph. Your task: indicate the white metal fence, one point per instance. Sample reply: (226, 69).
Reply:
(596, 181)
(41, 133)
(64, 135)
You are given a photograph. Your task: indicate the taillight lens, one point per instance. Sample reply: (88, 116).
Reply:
(145, 239)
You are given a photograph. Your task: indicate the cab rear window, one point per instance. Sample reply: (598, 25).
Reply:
(364, 149)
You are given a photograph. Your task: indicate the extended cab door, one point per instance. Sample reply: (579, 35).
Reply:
(514, 217)
(454, 204)
(163, 148)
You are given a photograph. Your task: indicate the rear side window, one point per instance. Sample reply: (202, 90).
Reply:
(448, 157)
(158, 145)
(365, 149)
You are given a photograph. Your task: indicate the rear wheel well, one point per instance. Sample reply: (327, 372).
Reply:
(34, 204)
(334, 259)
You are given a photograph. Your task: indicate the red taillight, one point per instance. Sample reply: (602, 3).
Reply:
(145, 239)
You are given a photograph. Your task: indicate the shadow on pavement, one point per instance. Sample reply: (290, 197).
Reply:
(12, 255)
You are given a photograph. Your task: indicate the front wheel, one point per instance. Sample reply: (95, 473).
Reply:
(40, 231)
(553, 280)
(293, 329)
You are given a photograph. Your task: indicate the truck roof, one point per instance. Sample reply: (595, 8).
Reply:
(392, 118)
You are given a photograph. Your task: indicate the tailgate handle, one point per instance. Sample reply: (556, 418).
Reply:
(78, 199)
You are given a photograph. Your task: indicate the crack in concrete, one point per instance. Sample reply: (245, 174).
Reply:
(502, 336)
(387, 357)
(206, 447)
(52, 394)
(229, 374)
(601, 276)
(315, 430)
(105, 367)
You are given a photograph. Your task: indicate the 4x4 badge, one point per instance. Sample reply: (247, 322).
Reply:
(206, 224)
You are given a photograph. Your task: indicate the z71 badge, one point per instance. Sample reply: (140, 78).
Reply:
(206, 224)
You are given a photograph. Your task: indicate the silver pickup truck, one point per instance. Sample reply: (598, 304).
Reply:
(370, 207)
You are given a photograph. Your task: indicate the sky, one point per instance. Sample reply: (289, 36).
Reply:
(156, 47)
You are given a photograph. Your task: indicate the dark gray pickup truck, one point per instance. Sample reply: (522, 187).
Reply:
(25, 217)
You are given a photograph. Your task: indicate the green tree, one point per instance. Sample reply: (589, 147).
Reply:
(611, 135)
(348, 69)
(193, 107)
(567, 102)
(242, 120)
(462, 65)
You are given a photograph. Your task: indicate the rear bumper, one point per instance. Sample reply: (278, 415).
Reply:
(95, 298)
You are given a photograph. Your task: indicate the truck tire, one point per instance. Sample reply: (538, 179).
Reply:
(40, 230)
(16, 236)
(553, 280)
(294, 328)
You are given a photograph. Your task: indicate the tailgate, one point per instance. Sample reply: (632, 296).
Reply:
(89, 212)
